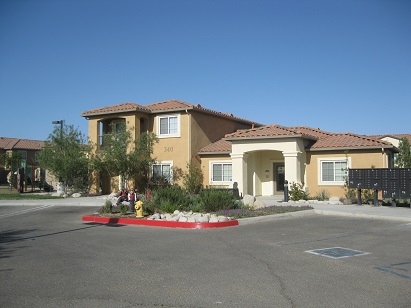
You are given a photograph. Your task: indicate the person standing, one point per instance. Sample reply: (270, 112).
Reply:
(132, 196)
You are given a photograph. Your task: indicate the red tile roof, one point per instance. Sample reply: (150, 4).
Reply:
(169, 105)
(269, 131)
(348, 141)
(321, 140)
(165, 106)
(115, 109)
(310, 131)
(20, 144)
(219, 147)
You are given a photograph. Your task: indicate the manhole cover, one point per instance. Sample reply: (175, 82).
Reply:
(337, 252)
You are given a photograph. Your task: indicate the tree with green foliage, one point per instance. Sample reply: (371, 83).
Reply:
(192, 179)
(11, 162)
(120, 155)
(65, 155)
(404, 156)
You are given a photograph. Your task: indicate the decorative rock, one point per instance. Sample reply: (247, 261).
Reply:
(183, 219)
(156, 216)
(76, 195)
(192, 219)
(203, 219)
(189, 217)
(248, 200)
(222, 218)
(213, 218)
(259, 204)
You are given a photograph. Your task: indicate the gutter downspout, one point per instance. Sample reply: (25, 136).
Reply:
(189, 136)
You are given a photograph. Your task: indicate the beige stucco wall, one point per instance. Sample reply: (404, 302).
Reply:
(205, 168)
(358, 159)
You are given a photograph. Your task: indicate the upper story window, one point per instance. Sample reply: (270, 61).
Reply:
(23, 154)
(168, 126)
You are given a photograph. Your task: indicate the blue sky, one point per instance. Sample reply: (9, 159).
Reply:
(342, 66)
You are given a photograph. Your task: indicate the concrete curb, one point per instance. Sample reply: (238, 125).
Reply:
(246, 221)
(361, 215)
(160, 223)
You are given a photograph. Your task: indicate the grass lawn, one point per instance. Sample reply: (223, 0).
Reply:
(7, 194)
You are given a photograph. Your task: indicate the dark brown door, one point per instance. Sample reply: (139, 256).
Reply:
(279, 176)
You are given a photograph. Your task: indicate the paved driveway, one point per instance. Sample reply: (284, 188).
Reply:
(50, 258)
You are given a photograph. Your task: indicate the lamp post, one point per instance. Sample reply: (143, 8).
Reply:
(59, 184)
(61, 122)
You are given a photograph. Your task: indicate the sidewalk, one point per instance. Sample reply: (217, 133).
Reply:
(352, 210)
(82, 201)
(364, 211)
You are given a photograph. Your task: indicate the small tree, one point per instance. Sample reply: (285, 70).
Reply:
(404, 156)
(65, 155)
(120, 155)
(192, 179)
(11, 163)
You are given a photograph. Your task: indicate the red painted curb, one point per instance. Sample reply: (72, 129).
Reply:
(160, 223)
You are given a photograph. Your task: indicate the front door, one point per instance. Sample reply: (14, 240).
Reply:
(279, 176)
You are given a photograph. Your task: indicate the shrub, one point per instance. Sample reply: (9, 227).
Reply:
(172, 197)
(213, 200)
(123, 209)
(297, 192)
(322, 195)
(367, 195)
(192, 179)
(106, 208)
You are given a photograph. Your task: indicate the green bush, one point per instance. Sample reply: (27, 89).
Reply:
(213, 200)
(367, 196)
(106, 208)
(297, 192)
(322, 195)
(192, 179)
(169, 199)
(123, 208)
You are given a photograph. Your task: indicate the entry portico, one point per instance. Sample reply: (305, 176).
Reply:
(261, 162)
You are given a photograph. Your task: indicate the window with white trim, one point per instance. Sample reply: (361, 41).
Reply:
(221, 172)
(163, 170)
(334, 171)
(168, 126)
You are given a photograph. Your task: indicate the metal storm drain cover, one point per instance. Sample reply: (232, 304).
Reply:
(337, 252)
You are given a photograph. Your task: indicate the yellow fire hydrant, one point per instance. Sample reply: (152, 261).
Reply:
(139, 209)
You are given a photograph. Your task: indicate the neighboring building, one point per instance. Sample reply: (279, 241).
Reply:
(28, 150)
(394, 139)
(234, 151)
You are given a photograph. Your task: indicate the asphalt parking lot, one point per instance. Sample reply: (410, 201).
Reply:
(50, 258)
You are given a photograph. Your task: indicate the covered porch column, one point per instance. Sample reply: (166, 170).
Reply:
(239, 171)
(293, 168)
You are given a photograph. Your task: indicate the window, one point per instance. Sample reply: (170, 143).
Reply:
(333, 171)
(163, 170)
(168, 126)
(221, 172)
(23, 154)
